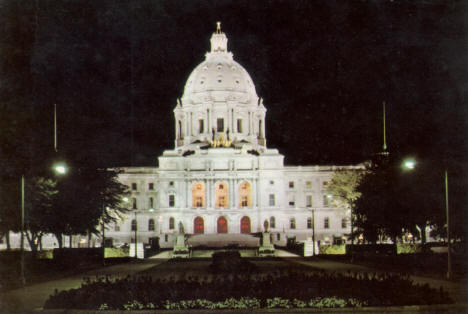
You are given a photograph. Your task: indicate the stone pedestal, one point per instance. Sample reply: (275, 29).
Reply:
(308, 248)
(140, 251)
(181, 248)
(266, 248)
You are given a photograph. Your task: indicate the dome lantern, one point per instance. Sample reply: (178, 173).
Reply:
(218, 40)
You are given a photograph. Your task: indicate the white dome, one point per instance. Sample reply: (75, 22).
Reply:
(219, 77)
(219, 105)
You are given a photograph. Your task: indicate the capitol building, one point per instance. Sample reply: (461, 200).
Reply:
(221, 180)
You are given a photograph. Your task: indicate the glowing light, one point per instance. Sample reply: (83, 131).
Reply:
(151, 209)
(409, 164)
(60, 169)
(125, 199)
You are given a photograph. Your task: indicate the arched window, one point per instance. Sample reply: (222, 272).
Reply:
(198, 195)
(198, 226)
(245, 194)
(272, 222)
(171, 223)
(222, 194)
(292, 223)
(151, 225)
(245, 224)
(222, 225)
(134, 225)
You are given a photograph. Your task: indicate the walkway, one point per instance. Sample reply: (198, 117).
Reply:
(27, 299)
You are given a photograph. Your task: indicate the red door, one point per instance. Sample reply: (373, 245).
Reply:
(245, 224)
(198, 226)
(222, 225)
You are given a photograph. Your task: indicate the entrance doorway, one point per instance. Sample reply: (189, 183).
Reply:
(222, 225)
(245, 225)
(198, 226)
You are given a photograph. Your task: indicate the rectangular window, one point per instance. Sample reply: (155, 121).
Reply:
(150, 186)
(222, 201)
(166, 238)
(134, 186)
(199, 201)
(308, 200)
(244, 201)
(292, 203)
(151, 202)
(325, 184)
(292, 223)
(272, 182)
(309, 223)
(171, 200)
(201, 126)
(344, 223)
(272, 199)
(134, 203)
(308, 184)
(171, 183)
(326, 200)
(239, 125)
(278, 236)
(291, 184)
(326, 223)
(220, 124)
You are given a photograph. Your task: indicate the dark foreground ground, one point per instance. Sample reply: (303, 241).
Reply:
(32, 297)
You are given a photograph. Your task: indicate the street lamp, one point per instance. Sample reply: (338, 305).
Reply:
(409, 164)
(59, 169)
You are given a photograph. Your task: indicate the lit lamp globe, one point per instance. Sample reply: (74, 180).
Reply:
(409, 164)
(60, 169)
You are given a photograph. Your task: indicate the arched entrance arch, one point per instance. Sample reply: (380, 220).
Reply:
(222, 225)
(222, 194)
(198, 194)
(198, 225)
(245, 224)
(245, 194)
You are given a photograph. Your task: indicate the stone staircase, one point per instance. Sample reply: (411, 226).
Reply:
(223, 240)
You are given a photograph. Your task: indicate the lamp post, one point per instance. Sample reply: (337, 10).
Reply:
(409, 164)
(136, 227)
(313, 231)
(60, 169)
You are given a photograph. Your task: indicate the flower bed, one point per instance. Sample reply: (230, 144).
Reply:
(285, 289)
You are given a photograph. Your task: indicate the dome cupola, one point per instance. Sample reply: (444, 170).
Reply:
(219, 102)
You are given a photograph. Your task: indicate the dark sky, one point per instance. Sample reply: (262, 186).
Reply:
(116, 68)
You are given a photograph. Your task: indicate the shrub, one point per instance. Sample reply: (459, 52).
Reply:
(116, 252)
(409, 248)
(332, 249)
(279, 289)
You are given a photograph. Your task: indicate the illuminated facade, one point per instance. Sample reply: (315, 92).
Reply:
(221, 177)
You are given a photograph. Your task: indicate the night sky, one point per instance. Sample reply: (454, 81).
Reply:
(116, 68)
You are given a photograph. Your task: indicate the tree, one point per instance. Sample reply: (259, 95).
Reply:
(87, 198)
(39, 195)
(343, 186)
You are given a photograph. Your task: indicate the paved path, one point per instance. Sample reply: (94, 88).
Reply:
(26, 299)
(457, 289)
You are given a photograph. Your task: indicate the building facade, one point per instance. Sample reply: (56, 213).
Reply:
(221, 177)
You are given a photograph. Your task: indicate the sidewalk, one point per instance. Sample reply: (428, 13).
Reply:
(26, 299)
(457, 290)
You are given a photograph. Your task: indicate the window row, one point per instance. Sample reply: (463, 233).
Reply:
(308, 184)
(134, 186)
(222, 197)
(310, 223)
(245, 224)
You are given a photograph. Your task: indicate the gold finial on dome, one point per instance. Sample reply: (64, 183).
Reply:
(218, 27)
